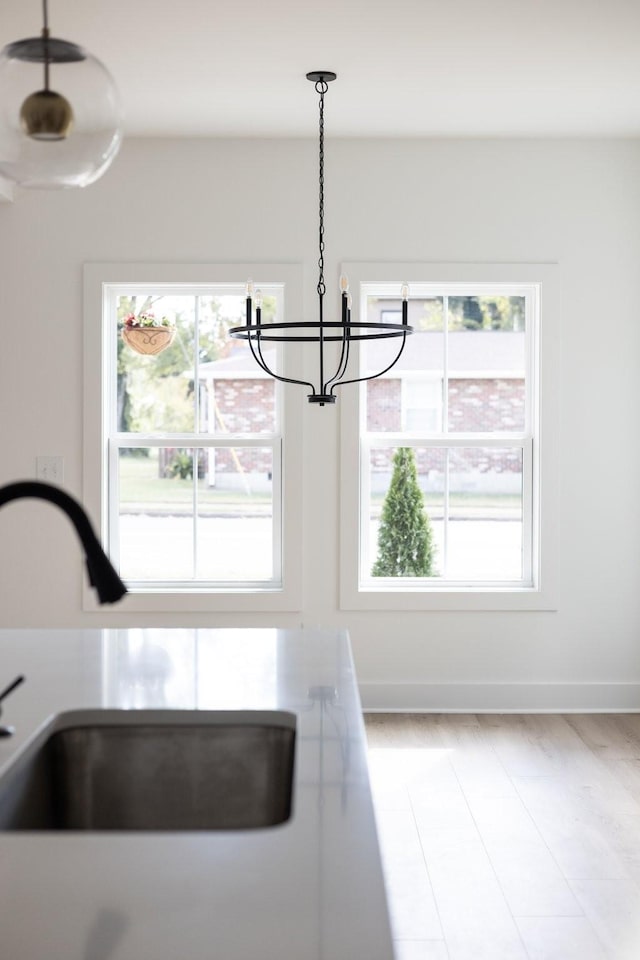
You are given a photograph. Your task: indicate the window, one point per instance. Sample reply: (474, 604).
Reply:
(463, 406)
(193, 459)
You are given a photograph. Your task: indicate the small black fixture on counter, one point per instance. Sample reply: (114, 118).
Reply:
(102, 576)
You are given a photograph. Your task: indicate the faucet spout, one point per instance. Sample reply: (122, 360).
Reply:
(102, 576)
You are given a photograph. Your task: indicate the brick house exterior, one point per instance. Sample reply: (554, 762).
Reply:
(474, 405)
(237, 397)
(485, 393)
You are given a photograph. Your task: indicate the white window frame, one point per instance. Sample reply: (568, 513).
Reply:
(540, 455)
(103, 282)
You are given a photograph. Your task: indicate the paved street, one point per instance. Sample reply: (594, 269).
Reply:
(239, 548)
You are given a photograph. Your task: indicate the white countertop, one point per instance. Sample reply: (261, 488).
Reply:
(309, 889)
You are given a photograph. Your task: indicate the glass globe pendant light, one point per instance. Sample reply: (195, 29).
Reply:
(60, 114)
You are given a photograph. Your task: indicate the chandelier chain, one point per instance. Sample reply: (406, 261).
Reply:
(321, 88)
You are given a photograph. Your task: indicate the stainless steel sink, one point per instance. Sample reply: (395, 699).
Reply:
(153, 770)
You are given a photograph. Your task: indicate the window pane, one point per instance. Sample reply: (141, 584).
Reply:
(498, 313)
(384, 404)
(155, 392)
(484, 536)
(391, 404)
(235, 514)
(234, 526)
(156, 513)
(476, 522)
(236, 396)
(396, 525)
(486, 364)
(422, 404)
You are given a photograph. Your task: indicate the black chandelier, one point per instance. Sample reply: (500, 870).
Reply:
(321, 331)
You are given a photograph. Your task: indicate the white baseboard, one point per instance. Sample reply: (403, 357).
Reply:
(500, 697)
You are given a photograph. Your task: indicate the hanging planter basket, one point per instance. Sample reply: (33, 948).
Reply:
(148, 340)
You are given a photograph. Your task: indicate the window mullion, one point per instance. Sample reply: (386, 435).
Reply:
(195, 452)
(196, 415)
(365, 505)
(277, 454)
(529, 563)
(196, 364)
(445, 365)
(445, 516)
(189, 439)
(113, 511)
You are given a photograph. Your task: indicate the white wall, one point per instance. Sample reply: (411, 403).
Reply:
(575, 202)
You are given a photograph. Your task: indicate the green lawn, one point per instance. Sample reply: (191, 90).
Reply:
(141, 485)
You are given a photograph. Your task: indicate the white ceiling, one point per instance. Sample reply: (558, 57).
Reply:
(407, 68)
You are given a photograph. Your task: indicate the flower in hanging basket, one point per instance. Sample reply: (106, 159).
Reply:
(147, 334)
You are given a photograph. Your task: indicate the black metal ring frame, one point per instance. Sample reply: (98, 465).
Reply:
(263, 332)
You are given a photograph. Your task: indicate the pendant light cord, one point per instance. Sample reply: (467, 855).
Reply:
(45, 37)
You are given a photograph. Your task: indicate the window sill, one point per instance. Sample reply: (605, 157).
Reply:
(455, 599)
(199, 601)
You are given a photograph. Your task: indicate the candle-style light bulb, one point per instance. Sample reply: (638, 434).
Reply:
(248, 301)
(404, 293)
(344, 283)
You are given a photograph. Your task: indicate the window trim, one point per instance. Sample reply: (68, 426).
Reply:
(545, 345)
(99, 281)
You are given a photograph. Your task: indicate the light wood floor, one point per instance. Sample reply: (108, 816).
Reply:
(509, 837)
